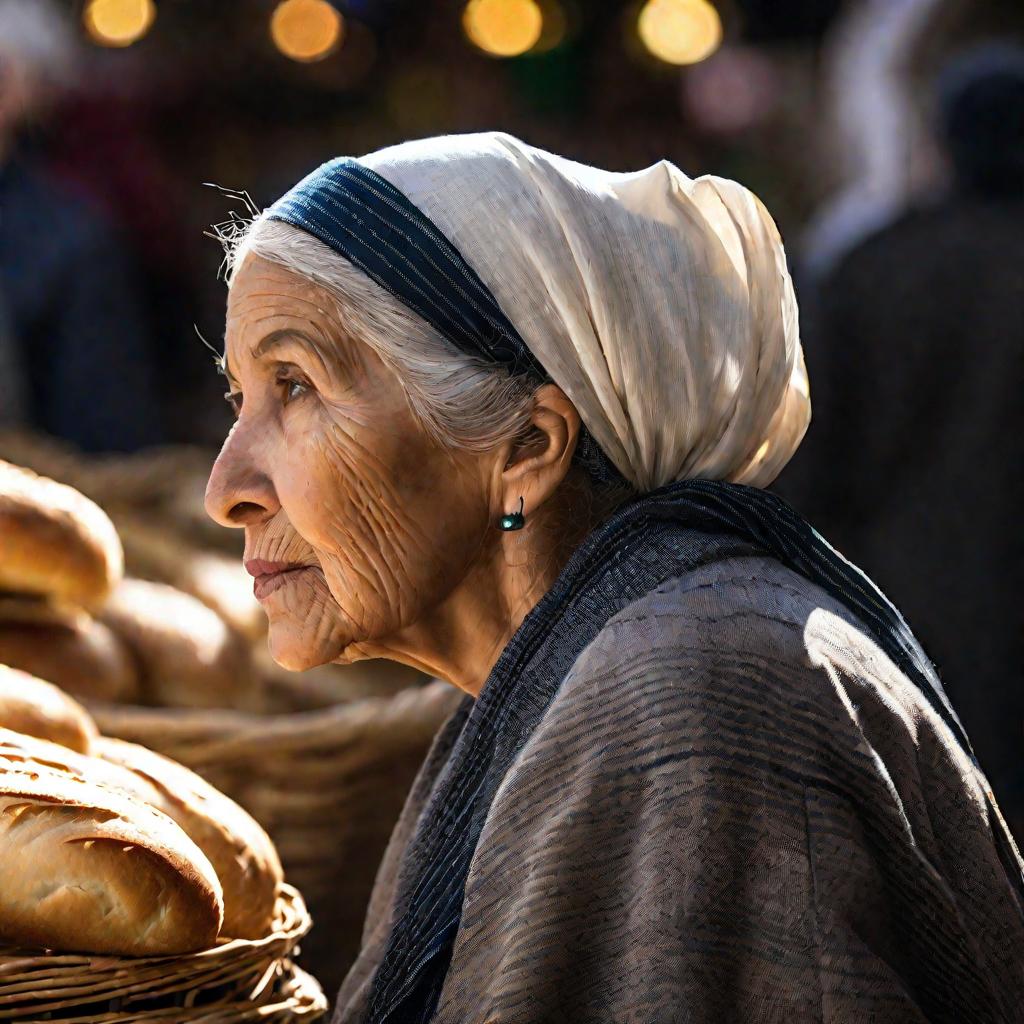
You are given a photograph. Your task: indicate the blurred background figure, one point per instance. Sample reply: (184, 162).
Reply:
(75, 355)
(915, 347)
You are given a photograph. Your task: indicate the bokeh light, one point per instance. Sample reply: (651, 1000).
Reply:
(306, 30)
(554, 27)
(680, 31)
(503, 28)
(118, 22)
(349, 65)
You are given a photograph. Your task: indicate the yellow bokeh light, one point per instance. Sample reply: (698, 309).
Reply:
(554, 27)
(503, 28)
(680, 31)
(306, 30)
(118, 22)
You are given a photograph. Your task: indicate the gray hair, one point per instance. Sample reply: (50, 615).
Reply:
(461, 400)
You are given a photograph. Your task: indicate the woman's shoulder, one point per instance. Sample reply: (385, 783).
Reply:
(748, 604)
(745, 630)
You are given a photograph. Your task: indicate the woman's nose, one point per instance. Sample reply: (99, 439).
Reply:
(239, 492)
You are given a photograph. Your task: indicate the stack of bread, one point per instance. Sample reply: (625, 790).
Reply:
(107, 847)
(155, 499)
(67, 614)
(130, 889)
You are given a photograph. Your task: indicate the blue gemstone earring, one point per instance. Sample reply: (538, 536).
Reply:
(514, 520)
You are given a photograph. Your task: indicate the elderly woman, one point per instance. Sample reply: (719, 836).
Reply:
(507, 418)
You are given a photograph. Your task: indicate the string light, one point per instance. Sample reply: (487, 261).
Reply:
(118, 22)
(680, 31)
(503, 28)
(306, 30)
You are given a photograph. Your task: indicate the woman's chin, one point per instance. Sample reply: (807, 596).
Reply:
(295, 652)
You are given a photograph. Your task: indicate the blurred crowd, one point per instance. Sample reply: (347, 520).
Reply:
(886, 136)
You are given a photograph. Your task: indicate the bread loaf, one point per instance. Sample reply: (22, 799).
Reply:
(37, 708)
(241, 852)
(187, 655)
(69, 648)
(54, 541)
(86, 868)
(21, 753)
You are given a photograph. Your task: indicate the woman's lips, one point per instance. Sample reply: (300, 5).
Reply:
(271, 576)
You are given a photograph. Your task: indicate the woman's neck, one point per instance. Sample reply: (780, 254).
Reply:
(461, 639)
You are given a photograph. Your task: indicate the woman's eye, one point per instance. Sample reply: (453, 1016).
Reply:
(292, 388)
(234, 399)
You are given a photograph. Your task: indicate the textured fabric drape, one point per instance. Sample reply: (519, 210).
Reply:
(661, 304)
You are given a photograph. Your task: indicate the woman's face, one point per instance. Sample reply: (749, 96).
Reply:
(356, 521)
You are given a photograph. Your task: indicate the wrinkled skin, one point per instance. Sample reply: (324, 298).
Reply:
(327, 467)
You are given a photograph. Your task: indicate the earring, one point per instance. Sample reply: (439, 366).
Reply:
(514, 520)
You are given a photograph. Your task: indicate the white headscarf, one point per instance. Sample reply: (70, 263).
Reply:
(660, 304)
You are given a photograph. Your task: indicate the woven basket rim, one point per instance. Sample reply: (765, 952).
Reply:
(290, 994)
(38, 981)
(226, 736)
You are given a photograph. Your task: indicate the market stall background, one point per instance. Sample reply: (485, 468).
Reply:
(128, 128)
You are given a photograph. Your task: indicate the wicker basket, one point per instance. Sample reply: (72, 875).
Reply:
(236, 980)
(328, 785)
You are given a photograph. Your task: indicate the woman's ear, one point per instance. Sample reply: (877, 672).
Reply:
(537, 466)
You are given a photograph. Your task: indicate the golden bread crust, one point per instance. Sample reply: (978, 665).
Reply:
(54, 541)
(21, 753)
(40, 709)
(240, 850)
(85, 867)
(77, 653)
(188, 656)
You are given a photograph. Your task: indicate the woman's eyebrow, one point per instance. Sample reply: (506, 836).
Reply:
(266, 344)
(332, 358)
(280, 337)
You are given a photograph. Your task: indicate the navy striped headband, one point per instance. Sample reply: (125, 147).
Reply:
(375, 226)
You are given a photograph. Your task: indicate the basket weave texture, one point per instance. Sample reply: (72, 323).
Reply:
(327, 785)
(237, 980)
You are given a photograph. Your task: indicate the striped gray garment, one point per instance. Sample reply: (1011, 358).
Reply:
(735, 809)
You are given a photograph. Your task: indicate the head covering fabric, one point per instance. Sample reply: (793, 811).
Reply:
(661, 304)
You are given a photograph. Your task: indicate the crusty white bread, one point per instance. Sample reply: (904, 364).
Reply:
(87, 868)
(187, 655)
(243, 854)
(69, 648)
(21, 753)
(37, 708)
(54, 541)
